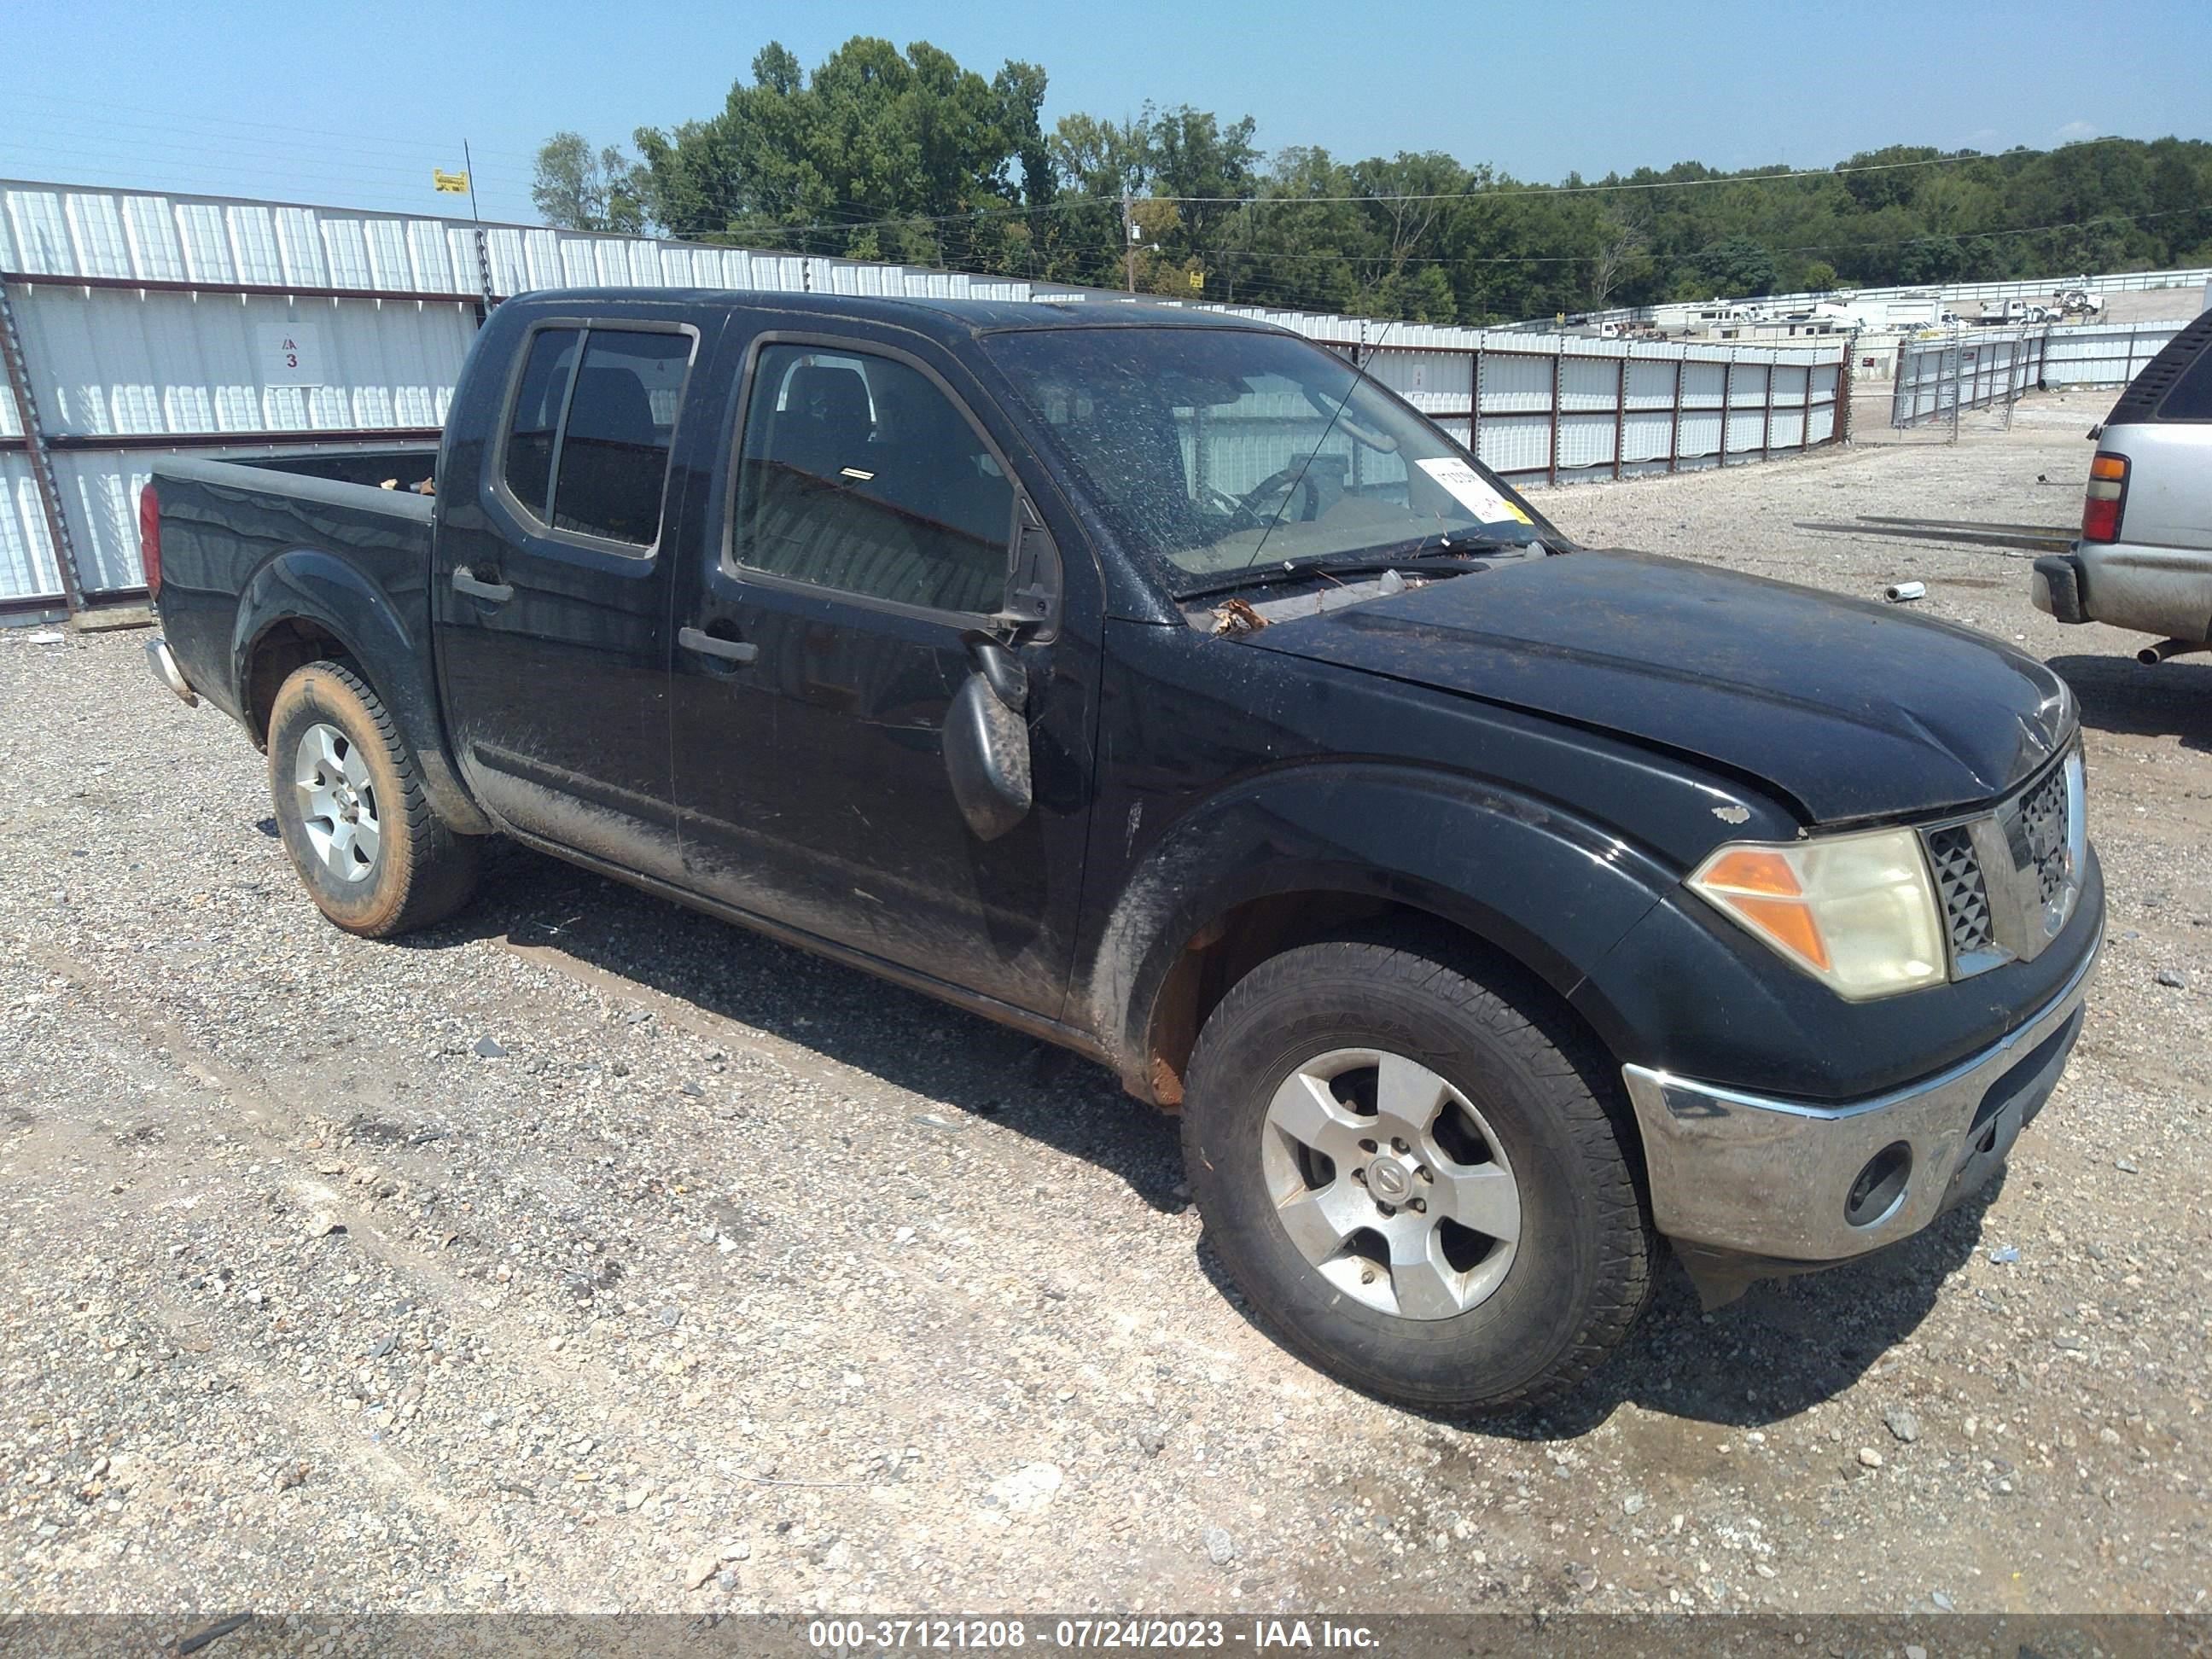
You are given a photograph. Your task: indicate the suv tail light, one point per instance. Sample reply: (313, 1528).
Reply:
(2108, 494)
(150, 539)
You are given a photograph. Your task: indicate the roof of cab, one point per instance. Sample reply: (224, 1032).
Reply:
(943, 319)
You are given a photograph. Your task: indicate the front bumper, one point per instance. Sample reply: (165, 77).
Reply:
(1792, 1184)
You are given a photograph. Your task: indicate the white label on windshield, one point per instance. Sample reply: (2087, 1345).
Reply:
(1473, 492)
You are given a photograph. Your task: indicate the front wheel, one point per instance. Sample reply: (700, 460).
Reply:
(352, 812)
(1414, 1176)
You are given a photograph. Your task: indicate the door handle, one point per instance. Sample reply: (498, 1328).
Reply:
(465, 581)
(713, 645)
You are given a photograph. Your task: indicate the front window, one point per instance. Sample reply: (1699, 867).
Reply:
(857, 473)
(1211, 450)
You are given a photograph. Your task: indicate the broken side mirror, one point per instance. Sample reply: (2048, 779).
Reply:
(987, 739)
(1033, 576)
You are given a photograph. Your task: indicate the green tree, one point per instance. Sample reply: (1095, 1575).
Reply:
(579, 188)
(879, 152)
(904, 155)
(1737, 266)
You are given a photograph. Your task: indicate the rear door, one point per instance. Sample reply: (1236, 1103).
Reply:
(552, 590)
(863, 533)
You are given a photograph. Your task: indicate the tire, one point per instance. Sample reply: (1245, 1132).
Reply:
(1481, 1321)
(351, 807)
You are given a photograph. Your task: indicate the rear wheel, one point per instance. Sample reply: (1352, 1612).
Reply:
(1416, 1177)
(352, 812)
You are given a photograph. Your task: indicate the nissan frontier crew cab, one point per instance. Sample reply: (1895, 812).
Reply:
(1490, 909)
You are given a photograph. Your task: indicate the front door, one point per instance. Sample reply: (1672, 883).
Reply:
(551, 593)
(824, 635)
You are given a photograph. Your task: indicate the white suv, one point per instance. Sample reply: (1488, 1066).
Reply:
(2144, 560)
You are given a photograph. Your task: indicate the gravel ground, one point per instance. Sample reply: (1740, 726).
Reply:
(586, 1253)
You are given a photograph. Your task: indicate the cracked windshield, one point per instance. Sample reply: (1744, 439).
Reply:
(1206, 447)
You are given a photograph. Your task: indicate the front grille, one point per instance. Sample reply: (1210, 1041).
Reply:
(2043, 828)
(1958, 883)
(2007, 879)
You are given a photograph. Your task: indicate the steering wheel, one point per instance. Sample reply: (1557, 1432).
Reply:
(1263, 503)
(1237, 507)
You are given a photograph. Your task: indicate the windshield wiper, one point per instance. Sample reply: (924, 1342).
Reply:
(1430, 550)
(1442, 541)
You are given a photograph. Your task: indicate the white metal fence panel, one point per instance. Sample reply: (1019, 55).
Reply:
(1704, 393)
(1938, 374)
(2105, 355)
(27, 551)
(110, 363)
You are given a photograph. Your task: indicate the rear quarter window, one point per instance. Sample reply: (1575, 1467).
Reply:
(614, 448)
(536, 417)
(2173, 383)
(588, 432)
(2192, 397)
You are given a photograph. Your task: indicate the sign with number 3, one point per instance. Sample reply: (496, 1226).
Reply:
(291, 354)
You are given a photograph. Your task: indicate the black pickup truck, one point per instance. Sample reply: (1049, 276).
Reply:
(1490, 908)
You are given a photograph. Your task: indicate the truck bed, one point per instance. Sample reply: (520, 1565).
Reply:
(236, 532)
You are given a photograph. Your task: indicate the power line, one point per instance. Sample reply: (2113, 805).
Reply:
(169, 121)
(135, 170)
(338, 162)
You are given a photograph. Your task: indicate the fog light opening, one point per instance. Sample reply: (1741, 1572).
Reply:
(1879, 1186)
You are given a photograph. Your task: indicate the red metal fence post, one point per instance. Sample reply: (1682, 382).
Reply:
(1675, 434)
(1621, 411)
(1558, 364)
(1766, 431)
(1474, 403)
(1727, 404)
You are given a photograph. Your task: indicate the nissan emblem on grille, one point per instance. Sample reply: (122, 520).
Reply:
(2043, 820)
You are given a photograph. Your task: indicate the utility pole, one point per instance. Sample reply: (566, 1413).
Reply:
(1128, 244)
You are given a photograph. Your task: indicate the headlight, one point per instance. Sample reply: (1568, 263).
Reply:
(1857, 912)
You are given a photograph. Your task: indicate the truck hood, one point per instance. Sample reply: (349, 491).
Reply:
(1855, 710)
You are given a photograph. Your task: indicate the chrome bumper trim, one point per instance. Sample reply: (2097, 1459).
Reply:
(1770, 1177)
(164, 664)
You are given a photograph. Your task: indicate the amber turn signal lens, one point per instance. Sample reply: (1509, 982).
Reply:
(1856, 911)
(1790, 924)
(1752, 870)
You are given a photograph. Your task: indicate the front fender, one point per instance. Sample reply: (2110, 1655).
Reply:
(1553, 890)
(388, 636)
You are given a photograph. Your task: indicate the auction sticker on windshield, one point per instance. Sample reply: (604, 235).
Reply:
(1472, 490)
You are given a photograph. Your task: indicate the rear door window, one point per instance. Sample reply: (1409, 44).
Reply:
(588, 440)
(536, 420)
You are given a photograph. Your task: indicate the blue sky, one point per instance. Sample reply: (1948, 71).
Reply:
(355, 105)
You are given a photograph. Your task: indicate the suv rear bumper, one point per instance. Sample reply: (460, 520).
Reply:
(2154, 590)
(1741, 1176)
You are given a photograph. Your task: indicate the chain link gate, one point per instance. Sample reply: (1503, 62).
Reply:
(1943, 378)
